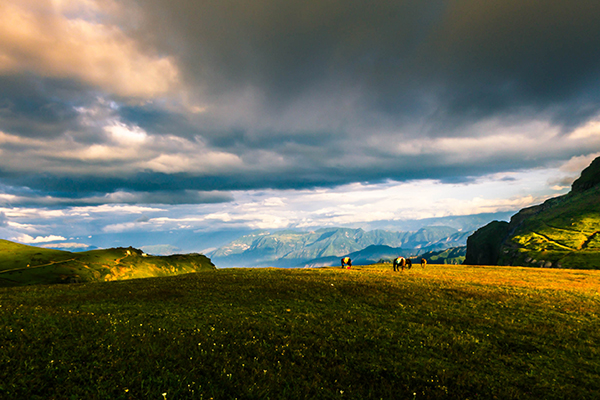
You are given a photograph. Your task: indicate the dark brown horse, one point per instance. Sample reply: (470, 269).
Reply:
(398, 263)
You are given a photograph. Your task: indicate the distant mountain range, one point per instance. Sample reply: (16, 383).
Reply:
(292, 248)
(563, 232)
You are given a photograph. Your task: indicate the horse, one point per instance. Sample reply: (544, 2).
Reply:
(423, 262)
(346, 261)
(398, 263)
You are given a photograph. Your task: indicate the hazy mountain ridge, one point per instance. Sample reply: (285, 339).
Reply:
(561, 232)
(297, 248)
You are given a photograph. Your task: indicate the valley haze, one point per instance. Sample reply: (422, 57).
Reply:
(178, 127)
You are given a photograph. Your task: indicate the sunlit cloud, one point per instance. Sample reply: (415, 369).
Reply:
(129, 150)
(38, 239)
(67, 245)
(116, 209)
(588, 131)
(46, 38)
(125, 135)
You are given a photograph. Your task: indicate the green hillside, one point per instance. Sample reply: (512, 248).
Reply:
(563, 232)
(26, 265)
(453, 255)
(440, 332)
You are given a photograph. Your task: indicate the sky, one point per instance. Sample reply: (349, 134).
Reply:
(160, 119)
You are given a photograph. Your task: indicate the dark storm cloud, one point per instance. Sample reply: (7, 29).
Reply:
(152, 187)
(38, 107)
(302, 94)
(157, 120)
(172, 197)
(499, 56)
(451, 61)
(286, 49)
(82, 191)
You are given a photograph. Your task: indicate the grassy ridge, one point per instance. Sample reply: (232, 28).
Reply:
(566, 234)
(446, 331)
(27, 265)
(15, 255)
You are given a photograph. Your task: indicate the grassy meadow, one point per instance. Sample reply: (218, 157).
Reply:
(443, 332)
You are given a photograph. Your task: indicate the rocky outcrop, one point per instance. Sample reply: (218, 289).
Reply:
(590, 177)
(483, 246)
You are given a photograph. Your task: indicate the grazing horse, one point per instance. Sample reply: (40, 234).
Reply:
(423, 262)
(399, 262)
(346, 261)
(408, 263)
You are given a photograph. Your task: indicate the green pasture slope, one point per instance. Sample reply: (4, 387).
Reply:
(566, 233)
(443, 332)
(27, 265)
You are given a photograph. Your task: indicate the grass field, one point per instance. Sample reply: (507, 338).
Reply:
(443, 332)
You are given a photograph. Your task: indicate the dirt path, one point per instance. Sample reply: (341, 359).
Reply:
(118, 260)
(36, 266)
(554, 242)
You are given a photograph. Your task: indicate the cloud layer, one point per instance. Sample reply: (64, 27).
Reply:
(160, 102)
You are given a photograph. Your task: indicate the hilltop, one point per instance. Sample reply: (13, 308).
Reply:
(24, 265)
(291, 248)
(563, 232)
